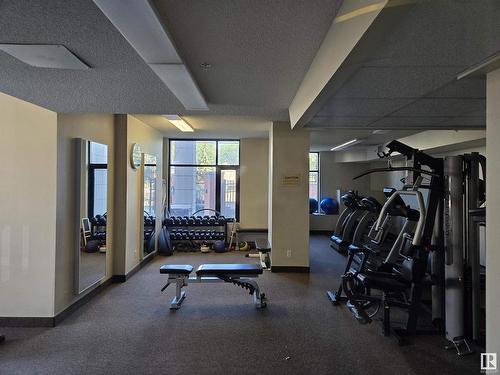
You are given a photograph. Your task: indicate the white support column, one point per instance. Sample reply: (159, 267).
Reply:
(493, 212)
(288, 197)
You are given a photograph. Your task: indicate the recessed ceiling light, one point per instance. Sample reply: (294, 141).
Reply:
(179, 123)
(53, 56)
(360, 11)
(344, 145)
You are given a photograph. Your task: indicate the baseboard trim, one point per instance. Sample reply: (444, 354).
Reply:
(254, 230)
(30, 322)
(296, 269)
(26, 322)
(322, 232)
(133, 271)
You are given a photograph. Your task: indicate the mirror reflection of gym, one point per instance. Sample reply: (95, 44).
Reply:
(149, 193)
(92, 175)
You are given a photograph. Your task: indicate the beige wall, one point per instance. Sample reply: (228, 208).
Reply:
(334, 175)
(28, 144)
(493, 212)
(151, 142)
(288, 205)
(254, 165)
(93, 127)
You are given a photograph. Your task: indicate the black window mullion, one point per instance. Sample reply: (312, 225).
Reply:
(90, 192)
(217, 188)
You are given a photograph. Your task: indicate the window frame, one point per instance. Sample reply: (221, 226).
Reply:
(218, 169)
(315, 171)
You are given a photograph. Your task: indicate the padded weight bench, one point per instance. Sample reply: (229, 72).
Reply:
(238, 274)
(264, 248)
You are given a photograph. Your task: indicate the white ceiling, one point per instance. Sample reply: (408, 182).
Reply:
(403, 72)
(400, 76)
(258, 51)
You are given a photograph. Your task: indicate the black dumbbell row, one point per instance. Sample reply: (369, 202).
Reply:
(185, 234)
(177, 221)
(98, 221)
(149, 221)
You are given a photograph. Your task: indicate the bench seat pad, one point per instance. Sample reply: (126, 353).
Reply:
(262, 245)
(229, 269)
(176, 269)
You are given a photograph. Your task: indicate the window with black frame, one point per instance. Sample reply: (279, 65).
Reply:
(204, 174)
(314, 175)
(97, 179)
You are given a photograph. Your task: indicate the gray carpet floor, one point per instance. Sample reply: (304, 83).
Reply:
(128, 329)
(92, 268)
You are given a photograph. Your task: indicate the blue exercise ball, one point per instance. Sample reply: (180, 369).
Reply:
(329, 206)
(313, 205)
(219, 246)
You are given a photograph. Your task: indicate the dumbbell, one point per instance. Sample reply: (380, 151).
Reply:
(212, 220)
(191, 220)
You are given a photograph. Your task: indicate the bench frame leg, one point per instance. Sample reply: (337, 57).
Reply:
(180, 295)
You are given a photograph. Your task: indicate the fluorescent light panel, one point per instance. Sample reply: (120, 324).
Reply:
(343, 145)
(54, 56)
(360, 11)
(179, 123)
(138, 22)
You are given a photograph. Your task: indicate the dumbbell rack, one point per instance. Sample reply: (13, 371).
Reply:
(191, 231)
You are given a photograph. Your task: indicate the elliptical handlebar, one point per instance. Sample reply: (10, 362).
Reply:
(421, 207)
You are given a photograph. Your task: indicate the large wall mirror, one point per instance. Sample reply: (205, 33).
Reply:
(92, 195)
(149, 195)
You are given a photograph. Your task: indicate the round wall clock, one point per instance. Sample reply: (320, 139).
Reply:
(135, 156)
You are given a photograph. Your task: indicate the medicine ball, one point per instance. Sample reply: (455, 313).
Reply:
(92, 246)
(220, 247)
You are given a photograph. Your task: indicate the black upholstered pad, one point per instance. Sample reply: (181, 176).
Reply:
(262, 245)
(382, 283)
(229, 269)
(176, 269)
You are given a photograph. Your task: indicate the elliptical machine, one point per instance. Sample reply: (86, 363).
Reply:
(374, 252)
(355, 221)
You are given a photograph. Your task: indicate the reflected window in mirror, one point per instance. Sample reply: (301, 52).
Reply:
(149, 202)
(97, 179)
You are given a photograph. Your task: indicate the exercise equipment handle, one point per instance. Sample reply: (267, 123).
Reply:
(421, 207)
